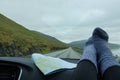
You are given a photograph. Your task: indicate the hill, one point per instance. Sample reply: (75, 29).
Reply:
(16, 40)
(82, 43)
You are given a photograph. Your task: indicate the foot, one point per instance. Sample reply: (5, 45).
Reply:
(100, 38)
(98, 32)
(89, 52)
(105, 58)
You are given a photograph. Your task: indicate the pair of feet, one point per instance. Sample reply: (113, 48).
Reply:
(98, 52)
(99, 39)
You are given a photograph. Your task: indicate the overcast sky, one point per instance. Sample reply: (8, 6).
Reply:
(67, 20)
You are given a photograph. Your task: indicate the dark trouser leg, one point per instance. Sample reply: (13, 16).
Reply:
(85, 71)
(112, 73)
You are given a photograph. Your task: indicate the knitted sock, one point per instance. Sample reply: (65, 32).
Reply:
(89, 52)
(104, 55)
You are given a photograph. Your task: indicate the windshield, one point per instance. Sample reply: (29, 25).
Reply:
(55, 26)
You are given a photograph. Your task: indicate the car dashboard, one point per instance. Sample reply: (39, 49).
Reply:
(17, 68)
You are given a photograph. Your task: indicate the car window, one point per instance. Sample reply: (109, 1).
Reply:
(56, 26)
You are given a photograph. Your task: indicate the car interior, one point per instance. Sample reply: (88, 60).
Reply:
(17, 68)
(55, 28)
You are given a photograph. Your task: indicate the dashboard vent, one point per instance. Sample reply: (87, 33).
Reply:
(9, 72)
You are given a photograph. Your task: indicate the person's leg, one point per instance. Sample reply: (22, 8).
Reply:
(85, 71)
(87, 66)
(109, 67)
(112, 73)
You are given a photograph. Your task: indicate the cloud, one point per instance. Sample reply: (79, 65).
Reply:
(67, 20)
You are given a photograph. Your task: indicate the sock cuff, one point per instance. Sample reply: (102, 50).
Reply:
(90, 55)
(107, 63)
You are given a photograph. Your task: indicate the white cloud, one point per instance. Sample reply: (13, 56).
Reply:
(65, 19)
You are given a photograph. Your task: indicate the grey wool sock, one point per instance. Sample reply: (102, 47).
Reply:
(104, 55)
(89, 52)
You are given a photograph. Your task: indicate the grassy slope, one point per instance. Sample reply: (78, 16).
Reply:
(15, 40)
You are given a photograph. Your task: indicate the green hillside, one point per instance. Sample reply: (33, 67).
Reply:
(15, 40)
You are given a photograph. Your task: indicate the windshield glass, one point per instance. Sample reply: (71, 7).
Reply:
(48, 26)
